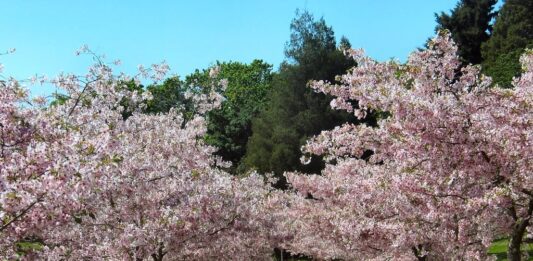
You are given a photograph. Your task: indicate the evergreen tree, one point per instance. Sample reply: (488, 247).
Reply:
(230, 126)
(469, 23)
(167, 95)
(294, 112)
(513, 32)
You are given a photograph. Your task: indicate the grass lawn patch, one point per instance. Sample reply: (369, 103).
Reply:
(499, 248)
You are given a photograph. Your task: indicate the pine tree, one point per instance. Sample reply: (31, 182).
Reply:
(295, 112)
(513, 32)
(469, 23)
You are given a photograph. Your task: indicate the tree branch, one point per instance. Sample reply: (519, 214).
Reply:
(22, 213)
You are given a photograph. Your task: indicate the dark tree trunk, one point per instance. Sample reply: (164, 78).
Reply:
(160, 253)
(514, 252)
(418, 253)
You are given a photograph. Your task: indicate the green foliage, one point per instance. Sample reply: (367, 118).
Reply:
(25, 247)
(127, 104)
(172, 94)
(469, 23)
(229, 127)
(167, 95)
(294, 112)
(513, 32)
(58, 99)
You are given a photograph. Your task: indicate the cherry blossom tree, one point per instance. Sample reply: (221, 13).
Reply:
(450, 170)
(78, 180)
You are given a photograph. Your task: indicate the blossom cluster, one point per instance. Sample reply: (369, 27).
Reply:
(451, 166)
(80, 180)
(91, 176)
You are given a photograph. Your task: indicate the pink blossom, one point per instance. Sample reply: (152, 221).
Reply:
(451, 168)
(80, 181)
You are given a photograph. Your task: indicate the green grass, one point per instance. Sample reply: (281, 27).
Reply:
(499, 248)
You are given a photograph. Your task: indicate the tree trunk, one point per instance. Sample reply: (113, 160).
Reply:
(160, 253)
(514, 252)
(418, 253)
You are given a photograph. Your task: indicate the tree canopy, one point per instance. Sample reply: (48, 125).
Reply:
(334, 155)
(229, 127)
(78, 180)
(512, 34)
(451, 169)
(470, 25)
(294, 112)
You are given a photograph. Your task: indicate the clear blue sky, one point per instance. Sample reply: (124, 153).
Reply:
(194, 34)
